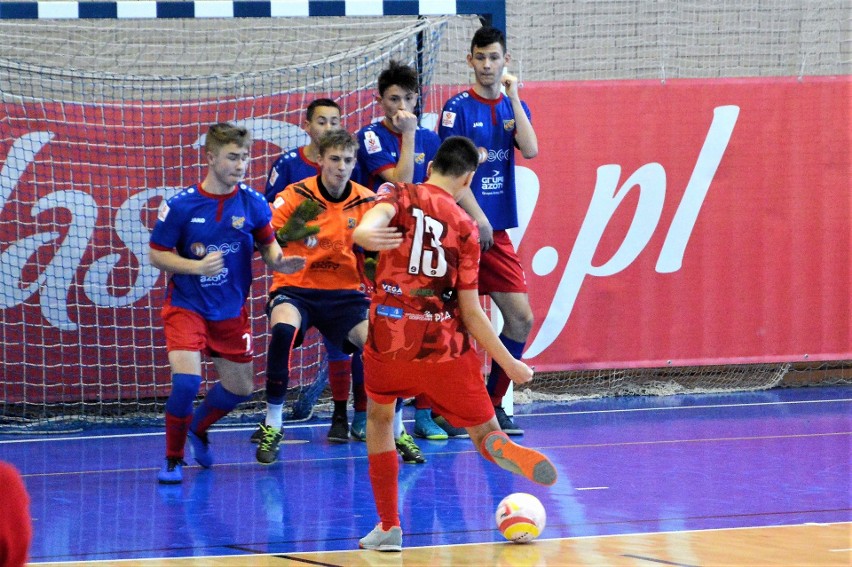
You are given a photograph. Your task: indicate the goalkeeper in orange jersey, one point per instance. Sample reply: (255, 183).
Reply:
(420, 329)
(315, 218)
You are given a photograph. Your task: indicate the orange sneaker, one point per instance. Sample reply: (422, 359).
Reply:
(520, 460)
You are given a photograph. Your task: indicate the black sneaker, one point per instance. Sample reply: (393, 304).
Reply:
(339, 432)
(452, 431)
(506, 424)
(409, 451)
(258, 434)
(267, 449)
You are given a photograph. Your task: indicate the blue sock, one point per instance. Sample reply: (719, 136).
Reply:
(184, 391)
(218, 403)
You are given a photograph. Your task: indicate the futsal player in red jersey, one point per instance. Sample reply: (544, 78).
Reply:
(16, 529)
(425, 309)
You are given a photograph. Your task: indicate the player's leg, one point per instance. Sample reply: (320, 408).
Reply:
(285, 320)
(340, 379)
(358, 429)
(185, 339)
(230, 343)
(517, 323)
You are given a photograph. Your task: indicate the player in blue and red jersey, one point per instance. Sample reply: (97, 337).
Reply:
(322, 115)
(425, 308)
(397, 149)
(497, 123)
(205, 238)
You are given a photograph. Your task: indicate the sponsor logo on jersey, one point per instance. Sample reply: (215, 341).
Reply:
(493, 182)
(351, 223)
(273, 177)
(238, 222)
(448, 119)
(198, 220)
(391, 288)
(499, 155)
(218, 279)
(388, 311)
(198, 249)
(385, 189)
(509, 125)
(372, 142)
(419, 158)
(325, 265)
(163, 211)
(423, 292)
(478, 124)
(279, 200)
(225, 248)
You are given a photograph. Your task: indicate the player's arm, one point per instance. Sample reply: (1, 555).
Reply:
(525, 137)
(374, 232)
(170, 261)
(471, 207)
(480, 328)
(274, 257)
(403, 172)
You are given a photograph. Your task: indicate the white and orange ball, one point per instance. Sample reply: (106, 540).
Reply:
(520, 517)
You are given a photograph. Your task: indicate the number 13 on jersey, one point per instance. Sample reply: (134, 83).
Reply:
(429, 258)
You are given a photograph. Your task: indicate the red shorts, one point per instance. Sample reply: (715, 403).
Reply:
(456, 388)
(500, 269)
(187, 330)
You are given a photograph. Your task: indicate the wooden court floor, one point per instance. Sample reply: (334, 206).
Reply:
(817, 545)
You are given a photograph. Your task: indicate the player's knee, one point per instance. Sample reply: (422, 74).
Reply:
(518, 324)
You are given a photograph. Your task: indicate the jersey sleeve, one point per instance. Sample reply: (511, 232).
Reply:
(167, 229)
(374, 155)
(263, 233)
(452, 121)
(283, 206)
(275, 181)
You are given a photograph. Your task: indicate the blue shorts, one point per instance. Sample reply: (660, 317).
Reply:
(334, 312)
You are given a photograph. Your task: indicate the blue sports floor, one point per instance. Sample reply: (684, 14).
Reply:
(629, 465)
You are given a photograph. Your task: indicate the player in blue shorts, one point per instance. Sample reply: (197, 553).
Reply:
(327, 294)
(397, 149)
(205, 237)
(497, 123)
(322, 115)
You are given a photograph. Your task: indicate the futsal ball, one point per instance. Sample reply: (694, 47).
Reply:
(520, 517)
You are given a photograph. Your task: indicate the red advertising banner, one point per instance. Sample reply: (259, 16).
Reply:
(692, 222)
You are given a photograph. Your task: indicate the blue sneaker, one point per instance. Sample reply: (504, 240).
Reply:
(358, 429)
(425, 428)
(199, 445)
(172, 471)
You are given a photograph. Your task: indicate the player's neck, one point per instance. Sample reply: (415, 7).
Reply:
(447, 184)
(311, 152)
(213, 186)
(491, 92)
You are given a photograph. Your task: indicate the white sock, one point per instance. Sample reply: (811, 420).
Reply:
(398, 427)
(274, 413)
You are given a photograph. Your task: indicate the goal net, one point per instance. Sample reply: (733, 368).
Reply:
(102, 119)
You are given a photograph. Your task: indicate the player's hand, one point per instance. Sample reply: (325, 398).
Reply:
(519, 372)
(296, 227)
(288, 264)
(510, 83)
(486, 235)
(211, 264)
(380, 238)
(404, 121)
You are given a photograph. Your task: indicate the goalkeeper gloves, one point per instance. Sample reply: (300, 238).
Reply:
(296, 227)
(370, 268)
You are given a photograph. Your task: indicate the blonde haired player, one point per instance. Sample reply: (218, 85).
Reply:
(420, 342)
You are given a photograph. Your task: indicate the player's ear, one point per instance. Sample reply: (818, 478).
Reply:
(428, 170)
(470, 60)
(468, 179)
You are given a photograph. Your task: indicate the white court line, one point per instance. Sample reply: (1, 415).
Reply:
(47, 438)
(593, 488)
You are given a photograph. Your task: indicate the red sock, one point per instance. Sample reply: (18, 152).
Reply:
(176, 428)
(384, 471)
(339, 378)
(360, 396)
